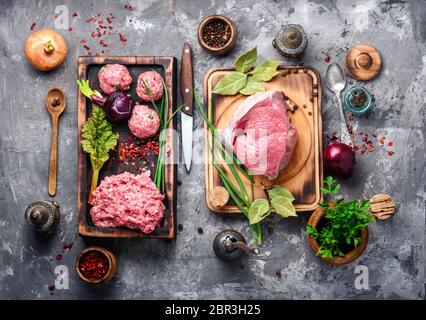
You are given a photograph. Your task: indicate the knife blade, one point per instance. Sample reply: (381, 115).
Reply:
(186, 88)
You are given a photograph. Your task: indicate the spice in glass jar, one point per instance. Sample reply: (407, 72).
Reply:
(93, 265)
(358, 98)
(216, 34)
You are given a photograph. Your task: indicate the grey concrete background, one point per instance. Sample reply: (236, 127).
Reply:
(187, 267)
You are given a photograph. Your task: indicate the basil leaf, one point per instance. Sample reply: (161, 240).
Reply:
(269, 64)
(246, 61)
(231, 83)
(264, 73)
(252, 87)
(283, 207)
(259, 210)
(279, 191)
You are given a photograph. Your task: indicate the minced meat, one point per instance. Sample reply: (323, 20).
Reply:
(128, 200)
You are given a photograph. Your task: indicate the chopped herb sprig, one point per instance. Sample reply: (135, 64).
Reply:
(344, 221)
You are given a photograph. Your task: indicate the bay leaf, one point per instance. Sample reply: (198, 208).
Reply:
(259, 210)
(264, 73)
(231, 83)
(246, 61)
(269, 64)
(276, 191)
(283, 207)
(252, 87)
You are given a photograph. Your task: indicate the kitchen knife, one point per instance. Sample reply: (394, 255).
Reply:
(186, 88)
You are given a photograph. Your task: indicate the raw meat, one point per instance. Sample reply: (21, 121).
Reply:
(114, 77)
(128, 200)
(261, 135)
(144, 122)
(154, 82)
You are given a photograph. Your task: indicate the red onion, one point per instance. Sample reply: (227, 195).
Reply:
(118, 106)
(339, 159)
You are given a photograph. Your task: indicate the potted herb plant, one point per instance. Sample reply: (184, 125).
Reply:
(338, 230)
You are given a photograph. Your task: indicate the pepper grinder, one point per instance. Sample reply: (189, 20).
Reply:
(42, 216)
(291, 41)
(229, 245)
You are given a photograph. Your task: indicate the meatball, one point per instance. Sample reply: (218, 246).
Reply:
(154, 82)
(114, 77)
(144, 122)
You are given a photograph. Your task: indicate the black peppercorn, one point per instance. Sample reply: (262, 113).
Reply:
(216, 34)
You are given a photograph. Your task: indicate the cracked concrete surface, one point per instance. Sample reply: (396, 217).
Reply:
(186, 267)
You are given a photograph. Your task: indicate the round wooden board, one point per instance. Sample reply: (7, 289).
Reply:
(301, 151)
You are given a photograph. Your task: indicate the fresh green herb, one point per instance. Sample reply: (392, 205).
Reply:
(246, 61)
(264, 73)
(231, 83)
(84, 86)
(276, 191)
(283, 206)
(273, 64)
(163, 114)
(253, 86)
(331, 187)
(259, 210)
(343, 223)
(165, 118)
(278, 199)
(312, 231)
(246, 79)
(238, 193)
(98, 139)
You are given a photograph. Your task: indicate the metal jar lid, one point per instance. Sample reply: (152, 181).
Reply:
(42, 215)
(291, 41)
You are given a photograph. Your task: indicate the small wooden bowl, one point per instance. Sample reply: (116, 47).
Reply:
(314, 220)
(228, 46)
(112, 262)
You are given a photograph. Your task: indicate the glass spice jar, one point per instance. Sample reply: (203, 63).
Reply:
(358, 100)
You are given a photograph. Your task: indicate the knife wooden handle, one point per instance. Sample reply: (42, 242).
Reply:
(187, 79)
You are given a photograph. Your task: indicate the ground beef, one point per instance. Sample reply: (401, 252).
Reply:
(128, 200)
(114, 77)
(144, 122)
(154, 82)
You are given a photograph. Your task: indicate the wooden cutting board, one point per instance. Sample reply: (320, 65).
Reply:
(88, 68)
(303, 175)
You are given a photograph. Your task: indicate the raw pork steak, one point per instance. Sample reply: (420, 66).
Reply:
(260, 134)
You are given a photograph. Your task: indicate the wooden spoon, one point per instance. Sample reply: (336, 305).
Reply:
(55, 104)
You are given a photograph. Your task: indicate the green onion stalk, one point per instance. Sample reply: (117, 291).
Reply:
(238, 193)
(165, 118)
